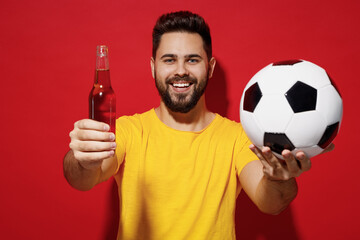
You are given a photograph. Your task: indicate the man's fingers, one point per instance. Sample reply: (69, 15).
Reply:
(296, 164)
(329, 148)
(92, 124)
(91, 143)
(92, 135)
(305, 162)
(270, 157)
(258, 153)
(93, 156)
(292, 164)
(93, 159)
(92, 146)
(278, 169)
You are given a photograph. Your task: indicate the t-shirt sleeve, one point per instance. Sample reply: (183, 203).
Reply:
(243, 154)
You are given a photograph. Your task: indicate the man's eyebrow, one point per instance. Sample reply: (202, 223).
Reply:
(168, 55)
(193, 56)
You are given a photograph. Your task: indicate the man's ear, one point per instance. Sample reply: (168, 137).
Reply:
(152, 64)
(212, 64)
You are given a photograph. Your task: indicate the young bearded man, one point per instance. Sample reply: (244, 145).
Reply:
(179, 167)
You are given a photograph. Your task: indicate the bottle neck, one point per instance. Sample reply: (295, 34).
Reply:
(102, 73)
(102, 62)
(102, 57)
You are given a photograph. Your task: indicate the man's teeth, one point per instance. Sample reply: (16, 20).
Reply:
(181, 85)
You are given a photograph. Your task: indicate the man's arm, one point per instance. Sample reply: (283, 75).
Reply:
(270, 196)
(270, 183)
(91, 159)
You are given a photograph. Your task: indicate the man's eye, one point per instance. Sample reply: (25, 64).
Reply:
(169, 60)
(193, 60)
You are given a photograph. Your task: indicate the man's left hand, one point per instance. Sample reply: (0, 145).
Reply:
(292, 166)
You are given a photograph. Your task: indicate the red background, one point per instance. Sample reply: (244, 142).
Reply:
(47, 63)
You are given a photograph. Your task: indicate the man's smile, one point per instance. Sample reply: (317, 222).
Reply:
(181, 84)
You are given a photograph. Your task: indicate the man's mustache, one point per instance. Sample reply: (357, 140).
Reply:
(179, 79)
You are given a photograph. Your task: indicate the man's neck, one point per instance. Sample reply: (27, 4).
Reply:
(195, 120)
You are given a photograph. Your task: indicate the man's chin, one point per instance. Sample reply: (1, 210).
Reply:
(182, 110)
(183, 107)
(179, 102)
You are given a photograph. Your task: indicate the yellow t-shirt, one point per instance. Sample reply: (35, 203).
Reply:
(176, 184)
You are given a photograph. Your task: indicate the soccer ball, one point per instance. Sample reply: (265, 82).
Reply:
(292, 105)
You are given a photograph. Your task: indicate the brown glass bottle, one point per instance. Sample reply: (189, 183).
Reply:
(102, 101)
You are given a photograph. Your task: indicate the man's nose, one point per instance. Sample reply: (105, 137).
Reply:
(181, 70)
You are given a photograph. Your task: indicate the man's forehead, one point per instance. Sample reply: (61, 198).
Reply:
(181, 43)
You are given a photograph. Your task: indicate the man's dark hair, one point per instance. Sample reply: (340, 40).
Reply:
(182, 21)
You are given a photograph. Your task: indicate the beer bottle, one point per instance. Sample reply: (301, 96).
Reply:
(102, 101)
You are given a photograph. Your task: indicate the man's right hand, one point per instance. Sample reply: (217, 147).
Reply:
(91, 143)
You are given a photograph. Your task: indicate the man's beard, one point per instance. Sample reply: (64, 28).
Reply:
(181, 102)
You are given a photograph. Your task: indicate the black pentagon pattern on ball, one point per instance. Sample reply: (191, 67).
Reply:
(301, 97)
(287, 62)
(329, 135)
(252, 97)
(277, 142)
